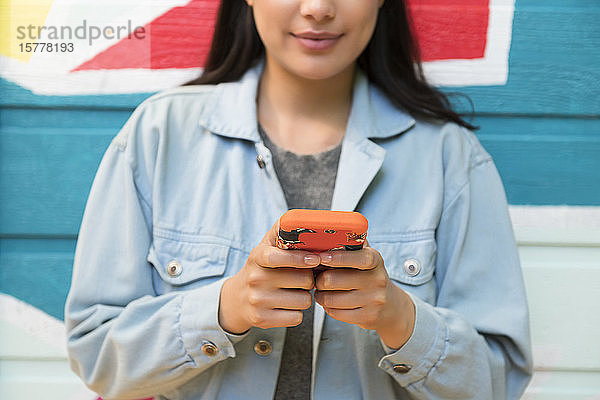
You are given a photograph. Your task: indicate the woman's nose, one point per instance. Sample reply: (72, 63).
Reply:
(319, 10)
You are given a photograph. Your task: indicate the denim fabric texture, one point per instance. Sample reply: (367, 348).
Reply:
(180, 186)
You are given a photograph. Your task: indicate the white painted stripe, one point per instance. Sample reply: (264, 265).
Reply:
(33, 321)
(94, 82)
(556, 225)
(29, 379)
(83, 393)
(560, 385)
(16, 372)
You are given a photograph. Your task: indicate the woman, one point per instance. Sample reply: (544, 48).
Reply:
(313, 104)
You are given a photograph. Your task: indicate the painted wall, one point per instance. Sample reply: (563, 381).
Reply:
(532, 70)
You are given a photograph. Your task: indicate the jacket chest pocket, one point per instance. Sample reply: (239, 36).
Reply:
(186, 263)
(410, 261)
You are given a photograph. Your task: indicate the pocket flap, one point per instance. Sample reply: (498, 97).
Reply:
(179, 263)
(409, 262)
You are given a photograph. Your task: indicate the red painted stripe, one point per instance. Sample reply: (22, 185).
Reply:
(180, 38)
(450, 29)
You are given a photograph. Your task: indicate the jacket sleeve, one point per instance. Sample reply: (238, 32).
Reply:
(123, 340)
(474, 342)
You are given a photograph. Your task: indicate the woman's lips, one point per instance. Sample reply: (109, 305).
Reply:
(317, 41)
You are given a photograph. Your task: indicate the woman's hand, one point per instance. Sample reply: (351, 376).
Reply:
(271, 290)
(358, 290)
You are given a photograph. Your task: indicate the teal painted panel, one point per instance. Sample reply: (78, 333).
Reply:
(554, 67)
(64, 118)
(545, 161)
(15, 95)
(37, 271)
(45, 177)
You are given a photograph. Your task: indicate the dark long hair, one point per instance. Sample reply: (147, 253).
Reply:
(391, 59)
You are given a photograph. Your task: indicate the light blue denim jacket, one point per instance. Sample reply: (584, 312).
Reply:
(181, 183)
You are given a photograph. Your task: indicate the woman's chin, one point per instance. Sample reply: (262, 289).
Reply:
(316, 71)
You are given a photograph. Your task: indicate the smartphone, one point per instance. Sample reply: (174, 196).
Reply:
(322, 230)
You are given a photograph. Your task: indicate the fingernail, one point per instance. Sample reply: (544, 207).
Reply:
(326, 258)
(311, 259)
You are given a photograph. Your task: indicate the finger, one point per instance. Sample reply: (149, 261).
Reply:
(293, 299)
(358, 316)
(294, 278)
(341, 299)
(289, 299)
(289, 278)
(275, 318)
(272, 257)
(349, 278)
(366, 258)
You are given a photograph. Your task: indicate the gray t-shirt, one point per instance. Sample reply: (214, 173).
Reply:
(307, 182)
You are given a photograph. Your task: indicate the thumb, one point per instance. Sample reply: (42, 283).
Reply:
(270, 237)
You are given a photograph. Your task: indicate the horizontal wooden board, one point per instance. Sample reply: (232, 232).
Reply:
(40, 379)
(563, 385)
(28, 265)
(563, 288)
(553, 68)
(557, 226)
(15, 95)
(545, 161)
(53, 380)
(26, 332)
(17, 344)
(91, 119)
(45, 178)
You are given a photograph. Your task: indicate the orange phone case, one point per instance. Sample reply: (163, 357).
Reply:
(321, 230)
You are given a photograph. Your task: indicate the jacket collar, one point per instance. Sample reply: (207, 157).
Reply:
(232, 111)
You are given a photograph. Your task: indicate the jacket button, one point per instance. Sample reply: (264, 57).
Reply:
(174, 269)
(401, 368)
(412, 267)
(209, 349)
(263, 348)
(260, 161)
